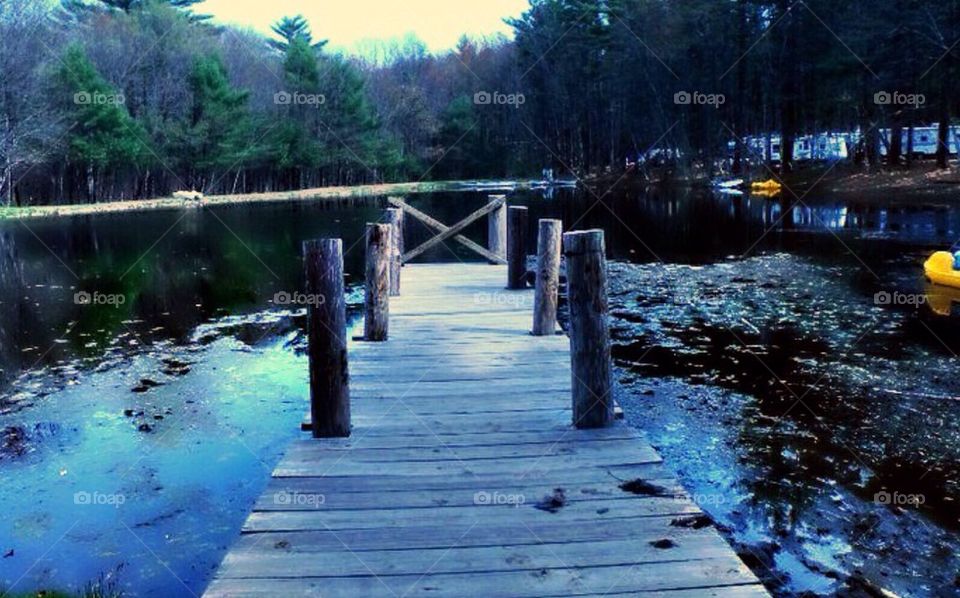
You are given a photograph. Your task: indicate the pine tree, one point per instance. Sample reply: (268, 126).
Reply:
(216, 137)
(351, 127)
(294, 146)
(300, 66)
(292, 29)
(101, 133)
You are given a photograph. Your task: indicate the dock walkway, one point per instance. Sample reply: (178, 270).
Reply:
(464, 477)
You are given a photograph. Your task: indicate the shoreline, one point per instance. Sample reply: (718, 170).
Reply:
(921, 184)
(319, 193)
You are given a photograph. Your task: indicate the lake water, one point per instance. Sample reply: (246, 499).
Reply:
(789, 361)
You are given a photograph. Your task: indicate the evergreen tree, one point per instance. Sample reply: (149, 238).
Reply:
(300, 66)
(101, 133)
(291, 29)
(216, 137)
(350, 127)
(294, 145)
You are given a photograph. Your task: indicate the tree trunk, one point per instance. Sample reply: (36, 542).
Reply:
(788, 89)
(8, 182)
(895, 150)
(943, 150)
(91, 184)
(909, 156)
(739, 127)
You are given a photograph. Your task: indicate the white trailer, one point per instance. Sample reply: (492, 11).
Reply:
(924, 140)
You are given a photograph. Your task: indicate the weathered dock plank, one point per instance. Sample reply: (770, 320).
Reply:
(461, 442)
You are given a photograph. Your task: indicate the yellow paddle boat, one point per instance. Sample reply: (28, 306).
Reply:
(768, 185)
(939, 269)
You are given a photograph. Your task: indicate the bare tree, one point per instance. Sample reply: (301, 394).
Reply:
(28, 126)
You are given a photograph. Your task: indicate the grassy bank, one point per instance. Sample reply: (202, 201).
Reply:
(13, 213)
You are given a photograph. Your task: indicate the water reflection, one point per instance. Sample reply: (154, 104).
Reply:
(941, 299)
(176, 269)
(921, 224)
(744, 339)
(170, 270)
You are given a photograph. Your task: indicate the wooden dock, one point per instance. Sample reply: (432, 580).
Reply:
(463, 475)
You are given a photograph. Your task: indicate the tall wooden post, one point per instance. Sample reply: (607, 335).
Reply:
(394, 217)
(327, 338)
(497, 229)
(548, 277)
(517, 247)
(377, 297)
(591, 368)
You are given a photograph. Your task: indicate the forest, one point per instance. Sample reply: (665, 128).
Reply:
(127, 99)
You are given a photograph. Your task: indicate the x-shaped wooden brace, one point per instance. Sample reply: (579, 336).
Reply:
(447, 232)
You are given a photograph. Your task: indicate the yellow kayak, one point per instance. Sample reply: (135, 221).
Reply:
(939, 269)
(767, 185)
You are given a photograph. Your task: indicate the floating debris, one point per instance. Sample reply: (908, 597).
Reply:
(781, 378)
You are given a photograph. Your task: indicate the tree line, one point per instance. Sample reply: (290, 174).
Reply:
(127, 99)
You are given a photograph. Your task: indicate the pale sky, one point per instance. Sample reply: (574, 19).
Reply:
(439, 23)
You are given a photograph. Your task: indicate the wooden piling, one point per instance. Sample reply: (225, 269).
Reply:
(394, 217)
(517, 247)
(327, 338)
(591, 368)
(377, 295)
(497, 229)
(548, 277)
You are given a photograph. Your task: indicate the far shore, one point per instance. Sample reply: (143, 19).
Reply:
(166, 203)
(923, 183)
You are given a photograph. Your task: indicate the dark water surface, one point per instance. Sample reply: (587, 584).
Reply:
(789, 361)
